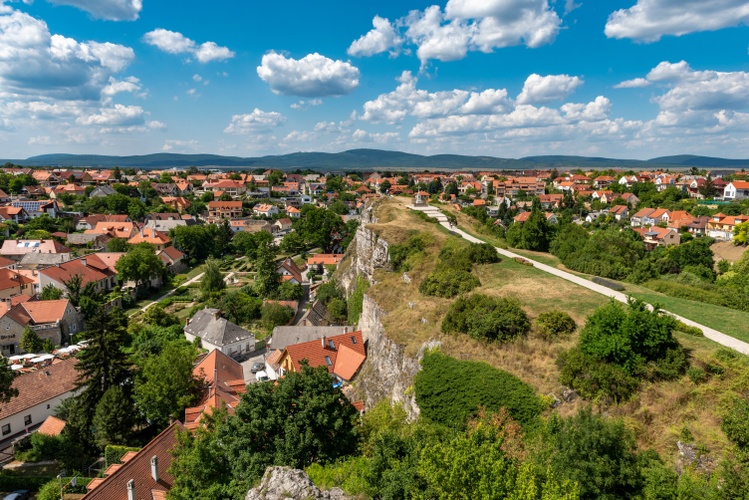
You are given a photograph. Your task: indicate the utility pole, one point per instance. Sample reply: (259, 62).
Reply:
(59, 476)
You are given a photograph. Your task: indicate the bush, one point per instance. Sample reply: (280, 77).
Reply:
(449, 391)
(399, 254)
(486, 318)
(113, 453)
(356, 301)
(696, 375)
(483, 253)
(689, 330)
(608, 284)
(553, 324)
(448, 283)
(274, 315)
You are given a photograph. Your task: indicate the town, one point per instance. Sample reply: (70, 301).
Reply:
(186, 291)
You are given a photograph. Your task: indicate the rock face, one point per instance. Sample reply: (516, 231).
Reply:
(284, 483)
(388, 372)
(366, 253)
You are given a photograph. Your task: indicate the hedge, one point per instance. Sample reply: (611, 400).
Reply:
(12, 483)
(448, 283)
(608, 284)
(449, 391)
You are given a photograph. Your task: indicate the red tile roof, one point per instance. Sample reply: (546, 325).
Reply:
(37, 387)
(10, 279)
(224, 382)
(66, 270)
(53, 426)
(315, 354)
(138, 469)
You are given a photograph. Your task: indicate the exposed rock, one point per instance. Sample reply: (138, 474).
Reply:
(569, 395)
(691, 457)
(284, 483)
(366, 253)
(555, 401)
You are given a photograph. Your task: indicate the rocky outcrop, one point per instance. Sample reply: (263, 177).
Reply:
(388, 372)
(284, 483)
(366, 253)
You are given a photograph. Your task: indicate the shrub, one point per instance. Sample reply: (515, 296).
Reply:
(486, 318)
(399, 254)
(483, 253)
(689, 330)
(448, 283)
(356, 301)
(696, 375)
(736, 423)
(608, 284)
(555, 324)
(450, 391)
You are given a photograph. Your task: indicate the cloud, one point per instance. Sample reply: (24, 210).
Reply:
(635, 83)
(129, 84)
(116, 116)
(407, 100)
(649, 20)
(173, 42)
(36, 64)
(177, 145)
(257, 122)
(538, 89)
(382, 38)
(312, 76)
(464, 26)
(302, 104)
(112, 10)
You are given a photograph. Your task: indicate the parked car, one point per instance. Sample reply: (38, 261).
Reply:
(262, 376)
(257, 366)
(18, 495)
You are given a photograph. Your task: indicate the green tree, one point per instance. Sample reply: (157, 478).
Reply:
(140, 264)
(273, 315)
(245, 243)
(117, 245)
(337, 310)
(156, 315)
(741, 233)
(114, 418)
(318, 226)
(50, 292)
(30, 341)
(240, 307)
(7, 391)
(306, 420)
(267, 279)
(212, 280)
(196, 241)
(201, 463)
(163, 394)
(102, 365)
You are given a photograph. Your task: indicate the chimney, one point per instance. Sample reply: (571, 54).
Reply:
(216, 314)
(131, 490)
(83, 261)
(141, 231)
(155, 468)
(41, 241)
(323, 341)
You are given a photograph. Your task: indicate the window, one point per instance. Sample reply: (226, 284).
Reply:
(6, 429)
(27, 420)
(48, 407)
(331, 344)
(353, 340)
(328, 361)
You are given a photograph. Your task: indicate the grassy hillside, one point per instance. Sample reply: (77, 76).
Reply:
(661, 413)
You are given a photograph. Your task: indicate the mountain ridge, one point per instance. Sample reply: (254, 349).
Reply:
(361, 159)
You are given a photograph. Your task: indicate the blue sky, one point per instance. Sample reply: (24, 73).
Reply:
(508, 78)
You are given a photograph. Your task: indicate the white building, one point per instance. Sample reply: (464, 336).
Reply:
(736, 190)
(217, 333)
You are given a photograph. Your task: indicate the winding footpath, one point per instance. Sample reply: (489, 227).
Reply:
(710, 333)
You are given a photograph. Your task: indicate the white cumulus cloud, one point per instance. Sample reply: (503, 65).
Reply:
(538, 89)
(649, 20)
(173, 42)
(258, 121)
(113, 10)
(635, 83)
(312, 76)
(381, 38)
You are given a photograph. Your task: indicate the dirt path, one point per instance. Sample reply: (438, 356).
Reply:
(727, 250)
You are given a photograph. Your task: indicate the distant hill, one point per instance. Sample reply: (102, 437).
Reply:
(366, 159)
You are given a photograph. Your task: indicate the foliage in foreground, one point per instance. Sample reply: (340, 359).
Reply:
(486, 318)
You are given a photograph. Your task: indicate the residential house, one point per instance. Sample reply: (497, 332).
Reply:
(92, 220)
(160, 240)
(173, 259)
(698, 227)
(16, 249)
(35, 208)
(603, 181)
(293, 212)
(223, 386)
(86, 240)
(183, 187)
(639, 217)
(55, 320)
(620, 212)
(656, 217)
(251, 225)
(663, 182)
(166, 188)
(73, 189)
(219, 333)
(658, 236)
(224, 209)
(124, 230)
(736, 190)
(265, 209)
(102, 191)
(142, 475)
(679, 219)
(720, 226)
(523, 217)
(342, 355)
(100, 177)
(231, 187)
(13, 283)
(629, 199)
(52, 426)
(39, 394)
(15, 214)
(98, 268)
(178, 203)
(290, 272)
(319, 261)
(283, 224)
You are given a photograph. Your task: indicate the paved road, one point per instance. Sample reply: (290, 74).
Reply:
(710, 333)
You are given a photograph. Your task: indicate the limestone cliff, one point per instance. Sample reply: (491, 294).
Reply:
(285, 483)
(388, 372)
